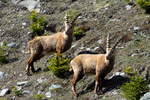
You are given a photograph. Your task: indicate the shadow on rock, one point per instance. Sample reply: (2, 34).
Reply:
(107, 85)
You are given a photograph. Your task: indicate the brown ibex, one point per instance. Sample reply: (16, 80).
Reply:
(99, 64)
(42, 45)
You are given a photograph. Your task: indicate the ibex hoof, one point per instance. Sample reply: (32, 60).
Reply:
(75, 94)
(28, 73)
(100, 92)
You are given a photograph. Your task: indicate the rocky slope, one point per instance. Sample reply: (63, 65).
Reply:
(101, 17)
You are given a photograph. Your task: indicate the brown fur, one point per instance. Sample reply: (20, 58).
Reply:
(59, 43)
(99, 64)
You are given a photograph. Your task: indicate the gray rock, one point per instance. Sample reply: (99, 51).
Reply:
(146, 96)
(40, 80)
(48, 94)
(11, 45)
(128, 7)
(24, 83)
(135, 28)
(1, 75)
(29, 4)
(26, 92)
(54, 86)
(3, 92)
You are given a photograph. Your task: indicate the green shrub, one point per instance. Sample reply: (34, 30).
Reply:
(38, 23)
(78, 32)
(2, 56)
(60, 70)
(17, 92)
(145, 4)
(135, 88)
(39, 97)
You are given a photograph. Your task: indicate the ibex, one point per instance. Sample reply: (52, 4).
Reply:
(42, 45)
(99, 64)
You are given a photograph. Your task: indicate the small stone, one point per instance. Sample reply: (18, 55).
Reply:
(128, 7)
(4, 92)
(96, 48)
(135, 28)
(26, 92)
(146, 96)
(54, 86)
(40, 80)
(100, 41)
(25, 83)
(11, 45)
(24, 24)
(88, 49)
(48, 94)
(18, 87)
(1, 75)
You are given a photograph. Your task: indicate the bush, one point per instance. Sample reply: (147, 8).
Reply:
(38, 24)
(2, 56)
(135, 88)
(145, 4)
(61, 69)
(78, 32)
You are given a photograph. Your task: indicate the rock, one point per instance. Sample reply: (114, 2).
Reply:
(26, 92)
(40, 80)
(25, 83)
(135, 28)
(54, 86)
(1, 75)
(11, 45)
(2, 43)
(24, 24)
(4, 92)
(146, 96)
(29, 4)
(100, 41)
(118, 74)
(19, 87)
(48, 94)
(128, 7)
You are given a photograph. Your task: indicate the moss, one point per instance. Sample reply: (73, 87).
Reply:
(145, 4)
(38, 24)
(62, 68)
(135, 88)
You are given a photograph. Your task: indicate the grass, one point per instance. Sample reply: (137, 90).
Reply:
(39, 96)
(3, 58)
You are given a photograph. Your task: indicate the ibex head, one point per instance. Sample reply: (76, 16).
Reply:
(69, 25)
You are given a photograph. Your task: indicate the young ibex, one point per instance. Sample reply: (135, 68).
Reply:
(99, 64)
(59, 43)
